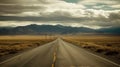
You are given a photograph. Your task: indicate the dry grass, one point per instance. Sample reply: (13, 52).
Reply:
(107, 45)
(14, 44)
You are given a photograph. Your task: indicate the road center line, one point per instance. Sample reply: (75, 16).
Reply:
(54, 57)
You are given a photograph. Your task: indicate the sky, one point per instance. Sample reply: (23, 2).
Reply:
(93, 14)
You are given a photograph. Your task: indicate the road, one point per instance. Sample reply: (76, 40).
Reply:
(58, 54)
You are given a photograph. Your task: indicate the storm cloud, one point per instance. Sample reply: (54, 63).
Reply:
(96, 13)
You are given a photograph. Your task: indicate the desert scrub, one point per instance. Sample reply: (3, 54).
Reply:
(106, 47)
(14, 46)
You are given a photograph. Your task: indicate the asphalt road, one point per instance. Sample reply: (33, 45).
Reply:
(58, 54)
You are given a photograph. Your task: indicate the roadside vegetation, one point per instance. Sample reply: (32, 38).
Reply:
(15, 44)
(107, 45)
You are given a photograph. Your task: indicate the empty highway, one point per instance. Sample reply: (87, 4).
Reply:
(58, 54)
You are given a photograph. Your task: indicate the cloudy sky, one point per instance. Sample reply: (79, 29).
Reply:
(78, 13)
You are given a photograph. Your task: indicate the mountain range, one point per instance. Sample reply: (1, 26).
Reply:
(34, 29)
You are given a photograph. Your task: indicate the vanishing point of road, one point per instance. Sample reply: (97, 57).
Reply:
(58, 54)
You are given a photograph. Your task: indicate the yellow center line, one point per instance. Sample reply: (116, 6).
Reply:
(54, 58)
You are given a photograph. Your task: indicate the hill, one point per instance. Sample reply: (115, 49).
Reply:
(34, 29)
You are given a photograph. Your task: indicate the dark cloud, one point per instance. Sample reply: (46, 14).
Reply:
(8, 1)
(33, 18)
(10, 9)
(16, 9)
(114, 16)
(25, 1)
(63, 12)
(19, 6)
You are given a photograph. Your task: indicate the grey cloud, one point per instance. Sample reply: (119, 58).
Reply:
(25, 1)
(57, 14)
(101, 21)
(33, 18)
(112, 20)
(114, 16)
(8, 1)
(16, 9)
(62, 16)
(18, 6)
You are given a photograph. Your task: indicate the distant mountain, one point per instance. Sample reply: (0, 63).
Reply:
(34, 29)
(111, 30)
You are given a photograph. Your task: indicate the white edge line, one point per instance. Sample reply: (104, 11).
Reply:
(104, 59)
